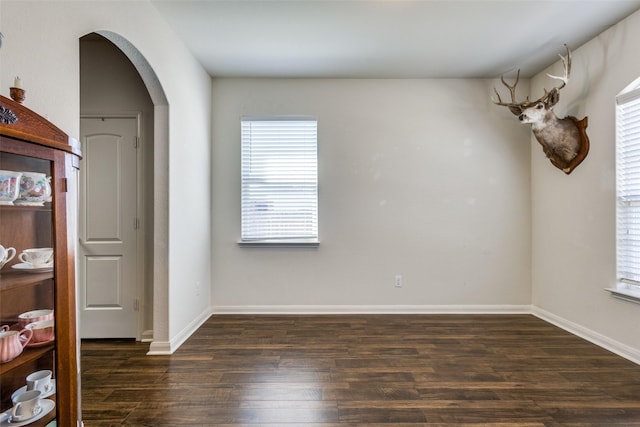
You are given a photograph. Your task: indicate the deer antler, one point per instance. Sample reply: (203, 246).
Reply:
(566, 62)
(512, 90)
(564, 140)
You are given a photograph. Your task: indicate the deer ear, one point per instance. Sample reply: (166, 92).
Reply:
(552, 98)
(515, 109)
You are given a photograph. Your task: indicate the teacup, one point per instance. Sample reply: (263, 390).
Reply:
(26, 405)
(37, 257)
(9, 186)
(43, 331)
(12, 343)
(40, 380)
(34, 316)
(35, 189)
(6, 255)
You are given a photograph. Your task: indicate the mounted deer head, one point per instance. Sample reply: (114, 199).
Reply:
(564, 141)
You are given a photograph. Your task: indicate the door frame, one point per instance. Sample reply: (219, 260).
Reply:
(140, 260)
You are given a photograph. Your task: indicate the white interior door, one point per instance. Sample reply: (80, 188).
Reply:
(108, 228)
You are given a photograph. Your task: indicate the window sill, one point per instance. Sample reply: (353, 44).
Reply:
(626, 293)
(300, 243)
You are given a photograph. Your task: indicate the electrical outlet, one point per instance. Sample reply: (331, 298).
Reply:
(197, 289)
(398, 281)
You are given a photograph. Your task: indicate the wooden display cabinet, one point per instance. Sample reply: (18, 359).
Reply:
(29, 143)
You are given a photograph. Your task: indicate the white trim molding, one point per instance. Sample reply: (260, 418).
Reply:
(614, 346)
(372, 309)
(147, 335)
(623, 350)
(163, 348)
(626, 293)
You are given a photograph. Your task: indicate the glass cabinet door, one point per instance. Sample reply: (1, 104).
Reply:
(27, 287)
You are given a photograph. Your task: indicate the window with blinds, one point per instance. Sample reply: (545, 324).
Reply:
(628, 187)
(279, 180)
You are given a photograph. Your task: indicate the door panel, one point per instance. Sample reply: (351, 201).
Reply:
(108, 234)
(103, 202)
(104, 284)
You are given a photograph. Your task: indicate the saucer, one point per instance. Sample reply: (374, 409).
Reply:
(5, 417)
(27, 203)
(45, 394)
(40, 344)
(25, 266)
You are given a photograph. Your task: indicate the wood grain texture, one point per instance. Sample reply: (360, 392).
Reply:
(34, 146)
(34, 128)
(373, 370)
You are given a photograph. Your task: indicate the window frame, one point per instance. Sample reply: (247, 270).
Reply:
(312, 239)
(627, 286)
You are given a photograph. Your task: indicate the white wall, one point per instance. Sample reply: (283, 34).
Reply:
(573, 216)
(424, 178)
(41, 45)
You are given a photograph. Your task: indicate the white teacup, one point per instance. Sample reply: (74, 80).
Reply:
(43, 331)
(40, 380)
(37, 257)
(34, 316)
(35, 189)
(26, 405)
(9, 186)
(6, 255)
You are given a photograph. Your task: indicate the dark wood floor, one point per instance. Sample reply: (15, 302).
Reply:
(392, 370)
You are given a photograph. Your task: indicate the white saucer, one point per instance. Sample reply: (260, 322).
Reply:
(27, 203)
(25, 266)
(46, 405)
(45, 394)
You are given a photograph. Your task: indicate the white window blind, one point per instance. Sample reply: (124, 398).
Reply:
(279, 180)
(628, 187)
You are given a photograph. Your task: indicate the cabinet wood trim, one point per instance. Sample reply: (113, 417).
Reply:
(31, 127)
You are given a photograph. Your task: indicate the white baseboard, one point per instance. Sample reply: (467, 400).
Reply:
(623, 350)
(147, 336)
(613, 346)
(372, 309)
(158, 348)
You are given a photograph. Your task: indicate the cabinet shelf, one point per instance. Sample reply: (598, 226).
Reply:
(13, 208)
(29, 354)
(15, 279)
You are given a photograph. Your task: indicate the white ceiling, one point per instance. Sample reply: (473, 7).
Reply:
(386, 38)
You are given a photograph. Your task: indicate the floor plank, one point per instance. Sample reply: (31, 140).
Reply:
(373, 370)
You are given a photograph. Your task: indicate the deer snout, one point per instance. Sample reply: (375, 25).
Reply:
(530, 116)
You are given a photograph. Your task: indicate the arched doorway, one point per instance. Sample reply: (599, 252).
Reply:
(115, 80)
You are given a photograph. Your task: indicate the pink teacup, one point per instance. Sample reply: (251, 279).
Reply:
(34, 316)
(43, 331)
(12, 343)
